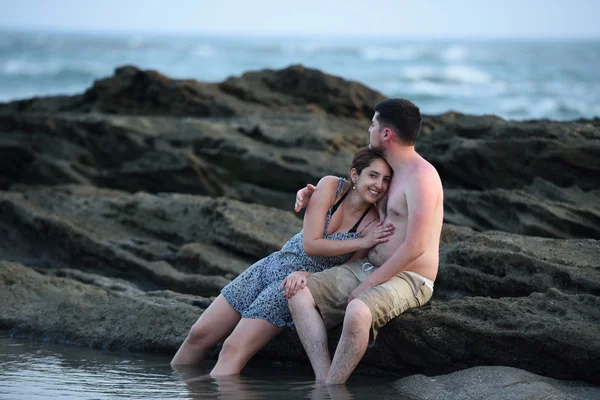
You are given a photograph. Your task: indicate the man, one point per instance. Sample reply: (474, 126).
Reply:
(397, 275)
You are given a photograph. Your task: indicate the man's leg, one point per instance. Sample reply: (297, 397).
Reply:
(353, 342)
(215, 323)
(311, 330)
(248, 337)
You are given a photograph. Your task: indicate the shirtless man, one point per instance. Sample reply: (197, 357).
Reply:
(396, 275)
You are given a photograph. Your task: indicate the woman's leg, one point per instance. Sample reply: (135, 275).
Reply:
(248, 337)
(215, 323)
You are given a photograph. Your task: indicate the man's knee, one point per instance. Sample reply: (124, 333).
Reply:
(358, 316)
(301, 300)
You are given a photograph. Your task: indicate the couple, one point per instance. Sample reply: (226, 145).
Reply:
(358, 260)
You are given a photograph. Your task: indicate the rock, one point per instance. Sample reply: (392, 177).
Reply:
(300, 85)
(60, 309)
(203, 157)
(263, 135)
(539, 209)
(132, 91)
(489, 152)
(127, 208)
(139, 237)
(500, 299)
(497, 264)
(493, 383)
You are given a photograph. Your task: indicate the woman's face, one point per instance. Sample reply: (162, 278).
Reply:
(372, 183)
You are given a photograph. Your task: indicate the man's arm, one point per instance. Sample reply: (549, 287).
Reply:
(303, 197)
(421, 198)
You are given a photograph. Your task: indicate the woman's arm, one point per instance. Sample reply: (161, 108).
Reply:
(314, 224)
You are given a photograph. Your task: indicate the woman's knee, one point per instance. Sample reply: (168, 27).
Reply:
(232, 349)
(199, 333)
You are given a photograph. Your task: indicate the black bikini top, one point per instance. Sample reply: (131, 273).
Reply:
(336, 205)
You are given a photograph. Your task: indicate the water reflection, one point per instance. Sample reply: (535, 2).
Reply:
(203, 386)
(36, 370)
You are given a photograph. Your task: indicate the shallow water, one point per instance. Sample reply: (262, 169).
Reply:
(37, 370)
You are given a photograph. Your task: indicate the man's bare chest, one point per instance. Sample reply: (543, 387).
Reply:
(397, 207)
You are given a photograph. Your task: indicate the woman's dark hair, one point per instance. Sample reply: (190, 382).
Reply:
(364, 157)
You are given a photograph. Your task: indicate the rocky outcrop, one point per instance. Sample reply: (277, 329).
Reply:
(265, 159)
(500, 299)
(493, 383)
(251, 159)
(489, 152)
(539, 209)
(132, 91)
(177, 242)
(124, 210)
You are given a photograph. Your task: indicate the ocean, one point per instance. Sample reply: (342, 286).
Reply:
(554, 79)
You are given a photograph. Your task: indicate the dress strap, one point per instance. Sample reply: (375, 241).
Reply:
(340, 189)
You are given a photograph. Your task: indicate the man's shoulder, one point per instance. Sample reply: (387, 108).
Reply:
(425, 176)
(424, 169)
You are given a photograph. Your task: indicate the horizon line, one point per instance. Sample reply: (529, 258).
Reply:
(270, 34)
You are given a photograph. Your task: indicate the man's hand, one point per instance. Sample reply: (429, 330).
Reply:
(303, 196)
(294, 282)
(360, 289)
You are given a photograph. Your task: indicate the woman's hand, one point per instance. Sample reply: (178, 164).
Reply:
(294, 282)
(377, 234)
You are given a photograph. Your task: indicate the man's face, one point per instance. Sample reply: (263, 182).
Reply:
(375, 133)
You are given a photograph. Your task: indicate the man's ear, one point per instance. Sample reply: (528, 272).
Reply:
(387, 134)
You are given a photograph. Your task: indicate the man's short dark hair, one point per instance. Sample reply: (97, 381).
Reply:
(401, 115)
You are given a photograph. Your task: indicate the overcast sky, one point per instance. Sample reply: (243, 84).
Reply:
(397, 18)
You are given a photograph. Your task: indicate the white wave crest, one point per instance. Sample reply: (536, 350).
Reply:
(464, 73)
(405, 53)
(419, 72)
(454, 53)
(204, 50)
(451, 73)
(16, 67)
(22, 68)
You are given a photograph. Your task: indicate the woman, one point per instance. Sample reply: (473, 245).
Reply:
(340, 224)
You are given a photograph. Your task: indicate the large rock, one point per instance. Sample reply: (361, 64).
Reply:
(105, 259)
(489, 152)
(298, 85)
(296, 89)
(64, 310)
(144, 238)
(251, 159)
(539, 209)
(261, 136)
(493, 383)
(255, 159)
(500, 299)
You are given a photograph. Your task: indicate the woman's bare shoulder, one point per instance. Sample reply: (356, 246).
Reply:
(326, 189)
(329, 181)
